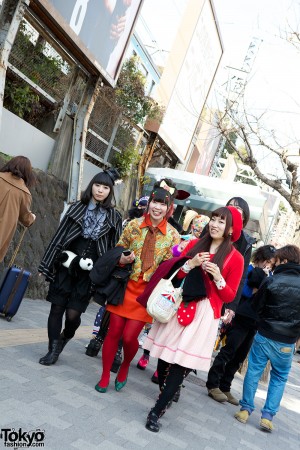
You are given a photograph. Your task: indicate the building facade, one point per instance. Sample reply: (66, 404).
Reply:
(186, 82)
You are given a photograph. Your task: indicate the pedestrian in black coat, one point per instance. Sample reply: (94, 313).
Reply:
(89, 228)
(278, 308)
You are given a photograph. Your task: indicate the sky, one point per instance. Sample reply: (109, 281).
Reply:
(274, 79)
(158, 30)
(273, 84)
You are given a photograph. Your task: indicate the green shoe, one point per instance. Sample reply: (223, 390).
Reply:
(119, 385)
(101, 389)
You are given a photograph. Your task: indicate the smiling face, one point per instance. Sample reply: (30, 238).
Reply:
(157, 211)
(100, 192)
(217, 226)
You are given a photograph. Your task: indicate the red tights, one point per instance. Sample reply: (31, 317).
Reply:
(128, 330)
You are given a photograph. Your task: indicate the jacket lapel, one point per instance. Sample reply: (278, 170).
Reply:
(78, 213)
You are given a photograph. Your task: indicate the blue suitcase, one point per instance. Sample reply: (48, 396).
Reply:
(12, 289)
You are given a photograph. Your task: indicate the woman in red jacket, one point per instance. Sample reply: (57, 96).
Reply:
(212, 276)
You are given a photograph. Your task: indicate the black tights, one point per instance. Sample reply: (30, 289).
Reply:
(55, 320)
(170, 378)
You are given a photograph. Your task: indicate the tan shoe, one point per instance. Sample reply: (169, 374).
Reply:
(242, 416)
(217, 395)
(266, 425)
(231, 399)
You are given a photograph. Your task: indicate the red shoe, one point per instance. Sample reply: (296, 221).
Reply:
(143, 362)
(154, 378)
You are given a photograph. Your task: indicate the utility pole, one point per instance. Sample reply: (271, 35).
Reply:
(237, 83)
(11, 14)
(235, 87)
(79, 136)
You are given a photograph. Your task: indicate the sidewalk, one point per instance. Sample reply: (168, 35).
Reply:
(61, 400)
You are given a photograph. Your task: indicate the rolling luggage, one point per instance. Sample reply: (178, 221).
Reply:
(13, 285)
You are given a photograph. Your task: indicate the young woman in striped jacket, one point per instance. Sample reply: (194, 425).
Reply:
(89, 228)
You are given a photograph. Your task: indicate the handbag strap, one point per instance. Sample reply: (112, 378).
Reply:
(17, 247)
(174, 274)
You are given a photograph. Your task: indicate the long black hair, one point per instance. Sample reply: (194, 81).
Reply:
(203, 244)
(106, 180)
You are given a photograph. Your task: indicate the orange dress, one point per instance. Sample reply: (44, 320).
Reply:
(131, 309)
(133, 238)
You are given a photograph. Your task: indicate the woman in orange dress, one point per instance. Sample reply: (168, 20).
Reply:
(150, 240)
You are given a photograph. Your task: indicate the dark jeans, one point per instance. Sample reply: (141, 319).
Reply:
(239, 339)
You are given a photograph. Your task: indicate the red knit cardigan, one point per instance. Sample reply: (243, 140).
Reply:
(232, 273)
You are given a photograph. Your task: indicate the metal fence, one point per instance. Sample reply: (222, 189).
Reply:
(37, 61)
(110, 132)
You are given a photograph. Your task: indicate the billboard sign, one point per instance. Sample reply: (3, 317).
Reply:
(208, 140)
(101, 29)
(192, 83)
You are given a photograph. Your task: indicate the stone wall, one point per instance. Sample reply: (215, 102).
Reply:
(48, 198)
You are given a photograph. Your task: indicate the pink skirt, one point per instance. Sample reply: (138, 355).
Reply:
(189, 346)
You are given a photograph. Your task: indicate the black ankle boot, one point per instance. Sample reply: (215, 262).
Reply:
(55, 348)
(63, 340)
(152, 422)
(117, 361)
(94, 346)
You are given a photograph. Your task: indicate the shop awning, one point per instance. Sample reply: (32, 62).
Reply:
(208, 193)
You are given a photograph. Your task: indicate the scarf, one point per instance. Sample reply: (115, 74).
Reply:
(194, 287)
(147, 255)
(93, 221)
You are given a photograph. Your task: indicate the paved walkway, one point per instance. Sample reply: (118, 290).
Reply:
(61, 401)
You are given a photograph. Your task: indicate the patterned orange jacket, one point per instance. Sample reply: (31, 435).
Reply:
(133, 238)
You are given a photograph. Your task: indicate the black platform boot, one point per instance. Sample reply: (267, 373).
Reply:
(117, 360)
(55, 349)
(152, 422)
(94, 346)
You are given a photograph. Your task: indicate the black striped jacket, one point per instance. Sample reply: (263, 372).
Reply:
(70, 228)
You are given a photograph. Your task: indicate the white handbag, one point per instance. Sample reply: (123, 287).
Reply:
(164, 300)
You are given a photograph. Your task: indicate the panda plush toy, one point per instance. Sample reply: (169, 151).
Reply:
(74, 262)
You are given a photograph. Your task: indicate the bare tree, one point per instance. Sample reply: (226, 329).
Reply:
(249, 135)
(256, 142)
